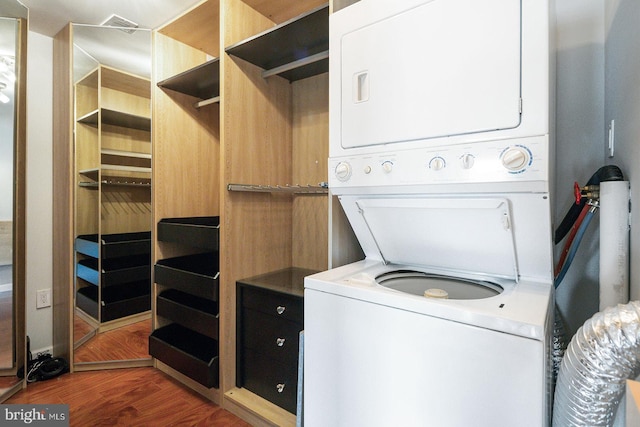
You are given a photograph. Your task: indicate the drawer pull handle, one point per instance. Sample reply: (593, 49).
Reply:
(280, 342)
(280, 309)
(280, 388)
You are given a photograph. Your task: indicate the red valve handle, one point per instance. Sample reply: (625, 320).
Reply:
(577, 193)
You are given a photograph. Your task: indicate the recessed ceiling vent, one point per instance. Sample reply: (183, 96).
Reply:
(121, 23)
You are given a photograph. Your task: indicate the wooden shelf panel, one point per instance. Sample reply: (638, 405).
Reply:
(202, 81)
(288, 43)
(122, 153)
(116, 118)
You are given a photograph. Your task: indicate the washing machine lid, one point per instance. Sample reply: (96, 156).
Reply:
(472, 235)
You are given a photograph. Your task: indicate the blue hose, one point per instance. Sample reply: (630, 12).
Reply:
(574, 247)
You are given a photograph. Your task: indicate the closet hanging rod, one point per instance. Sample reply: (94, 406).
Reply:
(322, 188)
(127, 183)
(209, 101)
(296, 64)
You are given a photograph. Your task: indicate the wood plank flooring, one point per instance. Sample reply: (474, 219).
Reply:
(127, 397)
(6, 330)
(124, 343)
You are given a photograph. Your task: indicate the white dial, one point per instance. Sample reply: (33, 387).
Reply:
(387, 167)
(343, 171)
(515, 158)
(467, 161)
(437, 163)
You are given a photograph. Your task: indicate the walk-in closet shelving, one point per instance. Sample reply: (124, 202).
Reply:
(282, 138)
(186, 209)
(202, 81)
(256, 128)
(295, 49)
(187, 300)
(113, 216)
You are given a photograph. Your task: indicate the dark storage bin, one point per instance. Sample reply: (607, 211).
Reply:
(197, 232)
(125, 300)
(117, 301)
(115, 245)
(277, 382)
(194, 274)
(87, 300)
(87, 269)
(198, 314)
(188, 352)
(115, 271)
(87, 244)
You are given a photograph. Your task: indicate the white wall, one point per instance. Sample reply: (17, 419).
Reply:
(580, 139)
(39, 190)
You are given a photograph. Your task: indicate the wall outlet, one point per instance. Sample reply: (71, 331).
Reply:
(43, 298)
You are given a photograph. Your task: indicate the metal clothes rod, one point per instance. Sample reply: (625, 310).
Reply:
(209, 101)
(293, 189)
(296, 64)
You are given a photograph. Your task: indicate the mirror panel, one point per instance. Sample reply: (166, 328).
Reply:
(13, 29)
(112, 218)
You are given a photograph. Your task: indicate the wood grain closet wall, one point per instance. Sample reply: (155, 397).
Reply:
(261, 131)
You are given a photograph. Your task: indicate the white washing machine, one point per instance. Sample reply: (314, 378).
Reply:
(440, 142)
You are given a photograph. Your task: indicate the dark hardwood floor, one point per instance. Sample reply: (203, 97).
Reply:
(127, 397)
(124, 343)
(6, 329)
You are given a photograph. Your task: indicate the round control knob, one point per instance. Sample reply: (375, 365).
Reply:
(467, 161)
(367, 170)
(387, 167)
(515, 158)
(437, 163)
(343, 171)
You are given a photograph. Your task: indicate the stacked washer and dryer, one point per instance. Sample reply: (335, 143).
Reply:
(440, 155)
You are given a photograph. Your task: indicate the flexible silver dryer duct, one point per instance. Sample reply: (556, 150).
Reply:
(603, 354)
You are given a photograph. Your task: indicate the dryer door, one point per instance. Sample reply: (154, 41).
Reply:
(440, 68)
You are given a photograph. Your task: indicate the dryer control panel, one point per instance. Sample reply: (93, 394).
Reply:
(519, 160)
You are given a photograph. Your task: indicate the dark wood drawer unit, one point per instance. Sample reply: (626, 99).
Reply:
(188, 300)
(269, 320)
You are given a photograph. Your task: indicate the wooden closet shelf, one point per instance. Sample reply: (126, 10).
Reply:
(116, 118)
(202, 81)
(322, 188)
(122, 153)
(295, 49)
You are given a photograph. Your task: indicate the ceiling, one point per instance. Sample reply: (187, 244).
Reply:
(49, 16)
(107, 46)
